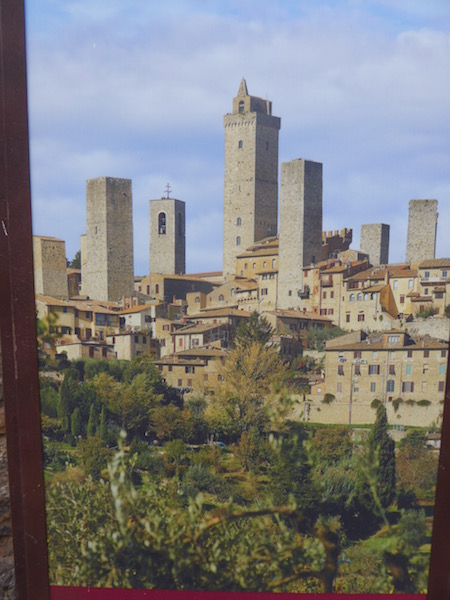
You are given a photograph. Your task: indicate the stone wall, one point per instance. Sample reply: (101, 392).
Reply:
(50, 270)
(167, 236)
(107, 268)
(375, 242)
(300, 227)
(422, 225)
(7, 590)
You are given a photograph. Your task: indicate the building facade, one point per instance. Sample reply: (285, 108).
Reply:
(107, 267)
(251, 175)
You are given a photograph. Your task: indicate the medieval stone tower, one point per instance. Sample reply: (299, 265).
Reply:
(167, 236)
(300, 238)
(375, 242)
(251, 175)
(422, 225)
(107, 268)
(50, 269)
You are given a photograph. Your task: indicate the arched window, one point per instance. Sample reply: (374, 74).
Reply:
(254, 265)
(264, 264)
(239, 221)
(241, 144)
(359, 296)
(156, 288)
(162, 223)
(352, 298)
(238, 240)
(274, 263)
(245, 266)
(241, 106)
(390, 385)
(221, 298)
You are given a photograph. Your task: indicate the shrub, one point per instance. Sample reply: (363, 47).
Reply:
(375, 403)
(328, 398)
(423, 403)
(396, 403)
(412, 529)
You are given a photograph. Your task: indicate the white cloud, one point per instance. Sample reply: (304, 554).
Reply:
(139, 90)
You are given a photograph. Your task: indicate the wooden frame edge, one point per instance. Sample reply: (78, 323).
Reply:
(17, 315)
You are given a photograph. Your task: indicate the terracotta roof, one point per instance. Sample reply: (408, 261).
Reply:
(434, 263)
(298, 314)
(198, 328)
(221, 312)
(139, 308)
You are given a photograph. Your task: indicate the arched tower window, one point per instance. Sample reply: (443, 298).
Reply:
(238, 240)
(221, 298)
(239, 221)
(162, 223)
(241, 106)
(241, 144)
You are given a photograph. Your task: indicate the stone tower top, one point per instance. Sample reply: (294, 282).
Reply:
(244, 103)
(243, 91)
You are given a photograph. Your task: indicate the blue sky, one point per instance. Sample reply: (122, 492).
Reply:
(138, 89)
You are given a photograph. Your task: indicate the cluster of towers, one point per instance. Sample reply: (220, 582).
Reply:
(250, 215)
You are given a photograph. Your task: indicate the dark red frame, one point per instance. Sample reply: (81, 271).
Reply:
(20, 372)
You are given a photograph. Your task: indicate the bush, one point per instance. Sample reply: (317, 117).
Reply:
(396, 403)
(412, 528)
(375, 404)
(328, 398)
(423, 403)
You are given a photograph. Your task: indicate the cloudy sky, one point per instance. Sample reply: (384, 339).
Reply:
(138, 89)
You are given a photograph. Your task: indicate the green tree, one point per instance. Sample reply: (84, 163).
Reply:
(290, 471)
(318, 336)
(255, 329)
(249, 387)
(332, 444)
(102, 431)
(75, 263)
(75, 423)
(91, 426)
(382, 454)
(93, 455)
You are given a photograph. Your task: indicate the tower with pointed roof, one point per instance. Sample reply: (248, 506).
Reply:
(251, 175)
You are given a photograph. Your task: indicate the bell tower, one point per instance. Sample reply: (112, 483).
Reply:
(251, 175)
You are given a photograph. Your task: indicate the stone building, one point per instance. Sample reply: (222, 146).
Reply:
(168, 236)
(422, 225)
(107, 251)
(300, 238)
(375, 243)
(251, 175)
(407, 375)
(50, 267)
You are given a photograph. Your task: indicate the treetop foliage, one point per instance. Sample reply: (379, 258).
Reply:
(256, 329)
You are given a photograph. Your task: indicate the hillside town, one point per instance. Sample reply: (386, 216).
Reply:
(370, 331)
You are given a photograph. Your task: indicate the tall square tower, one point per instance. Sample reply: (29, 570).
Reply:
(251, 175)
(375, 242)
(107, 269)
(168, 236)
(50, 268)
(300, 238)
(422, 227)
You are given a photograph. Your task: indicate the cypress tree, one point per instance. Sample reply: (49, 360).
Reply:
(75, 423)
(102, 429)
(382, 453)
(91, 423)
